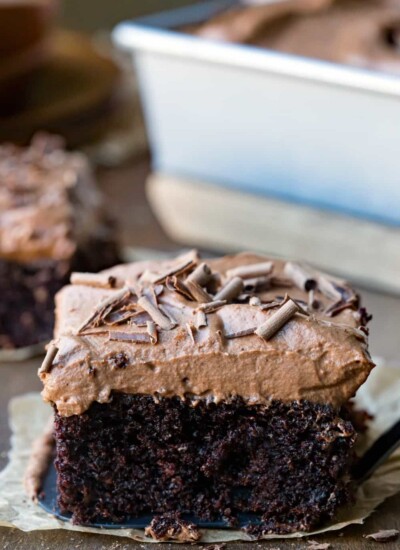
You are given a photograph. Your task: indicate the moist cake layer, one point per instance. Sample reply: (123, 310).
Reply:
(28, 289)
(286, 463)
(191, 343)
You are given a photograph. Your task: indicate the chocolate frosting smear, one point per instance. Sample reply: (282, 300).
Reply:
(242, 325)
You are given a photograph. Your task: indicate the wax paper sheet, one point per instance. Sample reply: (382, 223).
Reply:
(28, 417)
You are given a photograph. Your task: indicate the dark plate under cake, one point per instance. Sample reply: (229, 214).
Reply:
(206, 389)
(52, 221)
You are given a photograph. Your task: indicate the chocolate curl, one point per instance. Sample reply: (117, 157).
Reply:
(156, 314)
(198, 293)
(49, 359)
(251, 271)
(330, 289)
(152, 331)
(133, 337)
(201, 275)
(96, 280)
(109, 302)
(268, 329)
(185, 262)
(212, 306)
(231, 290)
(240, 333)
(201, 319)
(301, 277)
(174, 284)
(189, 330)
(338, 307)
(257, 283)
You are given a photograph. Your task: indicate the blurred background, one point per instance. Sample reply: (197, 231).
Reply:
(214, 140)
(91, 15)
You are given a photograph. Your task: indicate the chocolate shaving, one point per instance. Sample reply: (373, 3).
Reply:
(176, 285)
(118, 317)
(212, 306)
(313, 303)
(51, 353)
(268, 329)
(96, 280)
(231, 290)
(301, 277)
(188, 261)
(251, 271)
(134, 337)
(337, 307)
(362, 316)
(167, 314)
(385, 535)
(240, 333)
(331, 289)
(214, 283)
(99, 332)
(140, 318)
(201, 275)
(104, 308)
(152, 332)
(272, 305)
(257, 283)
(156, 314)
(201, 319)
(150, 293)
(198, 293)
(282, 282)
(158, 290)
(189, 329)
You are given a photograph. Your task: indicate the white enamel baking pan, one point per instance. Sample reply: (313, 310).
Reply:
(295, 128)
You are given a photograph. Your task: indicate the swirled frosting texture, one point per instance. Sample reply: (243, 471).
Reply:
(316, 357)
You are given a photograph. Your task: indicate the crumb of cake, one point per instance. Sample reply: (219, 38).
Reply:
(171, 527)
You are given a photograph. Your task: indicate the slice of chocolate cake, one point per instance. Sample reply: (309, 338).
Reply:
(52, 221)
(213, 389)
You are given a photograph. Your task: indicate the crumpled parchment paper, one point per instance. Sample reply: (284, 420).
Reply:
(28, 417)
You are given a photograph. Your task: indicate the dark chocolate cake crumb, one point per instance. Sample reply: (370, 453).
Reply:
(172, 527)
(31, 287)
(119, 361)
(131, 457)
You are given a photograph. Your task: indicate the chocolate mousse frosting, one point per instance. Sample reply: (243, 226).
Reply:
(362, 33)
(241, 325)
(49, 203)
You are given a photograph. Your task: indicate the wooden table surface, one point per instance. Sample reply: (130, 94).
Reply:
(125, 188)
